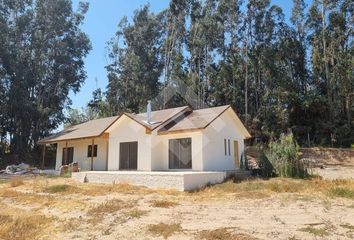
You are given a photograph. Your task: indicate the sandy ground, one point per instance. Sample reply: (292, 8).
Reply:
(261, 209)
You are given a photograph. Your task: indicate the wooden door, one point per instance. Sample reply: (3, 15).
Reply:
(128, 156)
(67, 156)
(236, 156)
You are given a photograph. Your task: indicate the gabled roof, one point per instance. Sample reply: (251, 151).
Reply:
(96, 128)
(89, 129)
(157, 117)
(200, 119)
(181, 119)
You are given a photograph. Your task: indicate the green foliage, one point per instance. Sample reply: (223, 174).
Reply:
(244, 54)
(136, 65)
(42, 51)
(267, 169)
(97, 107)
(283, 155)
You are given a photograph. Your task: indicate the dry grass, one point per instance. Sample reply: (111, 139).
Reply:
(264, 188)
(23, 197)
(23, 227)
(320, 232)
(342, 192)
(347, 226)
(135, 213)
(164, 230)
(16, 181)
(110, 206)
(42, 200)
(57, 188)
(3, 181)
(98, 212)
(223, 233)
(163, 203)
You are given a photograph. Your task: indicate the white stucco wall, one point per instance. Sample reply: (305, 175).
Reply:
(127, 130)
(80, 154)
(160, 150)
(207, 145)
(224, 127)
(182, 181)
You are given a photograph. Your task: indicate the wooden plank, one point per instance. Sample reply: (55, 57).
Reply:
(237, 160)
(43, 156)
(92, 152)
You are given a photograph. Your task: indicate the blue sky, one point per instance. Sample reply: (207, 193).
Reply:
(101, 24)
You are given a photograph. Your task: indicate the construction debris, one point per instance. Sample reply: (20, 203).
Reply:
(20, 169)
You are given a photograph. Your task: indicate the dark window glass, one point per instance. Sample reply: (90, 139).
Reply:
(228, 143)
(225, 147)
(128, 156)
(89, 150)
(180, 153)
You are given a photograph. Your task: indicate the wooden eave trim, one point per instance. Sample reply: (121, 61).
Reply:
(180, 131)
(72, 139)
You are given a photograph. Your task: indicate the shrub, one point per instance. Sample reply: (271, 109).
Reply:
(284, 156)
(265, 166)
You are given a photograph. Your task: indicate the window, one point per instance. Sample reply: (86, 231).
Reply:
(225, 147)
(228, 144)
(180, 153)
(89, 150)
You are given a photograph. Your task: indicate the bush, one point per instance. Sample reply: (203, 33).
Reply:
(267, 169)
(284, 157)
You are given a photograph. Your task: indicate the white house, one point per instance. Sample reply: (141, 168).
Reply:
(176, 139)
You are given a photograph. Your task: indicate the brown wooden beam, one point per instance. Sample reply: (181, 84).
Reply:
(43, 156)
(66, 153)
(92, 152)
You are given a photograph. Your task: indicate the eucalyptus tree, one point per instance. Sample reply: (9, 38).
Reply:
(42, 61)
(136, 62)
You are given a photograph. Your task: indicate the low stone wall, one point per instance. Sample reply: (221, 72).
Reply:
(321, 156)
(181, 181)
(329, 156)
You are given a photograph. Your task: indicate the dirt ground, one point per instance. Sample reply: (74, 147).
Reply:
(336, 172)
(59, 208)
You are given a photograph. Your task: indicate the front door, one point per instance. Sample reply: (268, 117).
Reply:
(237, 160)
(180, 153)
(67, 156)
(128, 156)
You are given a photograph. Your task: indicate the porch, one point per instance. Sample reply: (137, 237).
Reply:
(179, 180)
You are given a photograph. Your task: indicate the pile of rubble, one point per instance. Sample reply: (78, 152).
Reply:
(19, 169)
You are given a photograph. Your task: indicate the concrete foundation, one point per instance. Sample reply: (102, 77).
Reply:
(181, 181)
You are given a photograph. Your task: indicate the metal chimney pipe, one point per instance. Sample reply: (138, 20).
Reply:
(148, 110)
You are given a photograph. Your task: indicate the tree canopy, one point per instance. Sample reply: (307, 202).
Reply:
(42, 50)
(276, 74)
